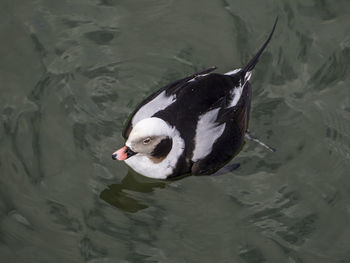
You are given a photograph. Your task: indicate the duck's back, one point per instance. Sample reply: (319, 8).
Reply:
(211, 120)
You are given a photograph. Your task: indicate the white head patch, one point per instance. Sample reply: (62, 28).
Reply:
(141, 163)
(149, 127)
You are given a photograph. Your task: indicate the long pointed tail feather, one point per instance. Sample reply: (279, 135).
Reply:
(251, 64)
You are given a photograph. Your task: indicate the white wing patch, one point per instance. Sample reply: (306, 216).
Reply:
(207, 132)
(232, 72)
(157, 104)
(197, 76)
(143, 165)
(236, 93)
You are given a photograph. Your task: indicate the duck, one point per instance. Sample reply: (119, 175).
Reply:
(192, 126)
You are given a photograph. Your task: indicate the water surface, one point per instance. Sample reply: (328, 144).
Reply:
(72, 71)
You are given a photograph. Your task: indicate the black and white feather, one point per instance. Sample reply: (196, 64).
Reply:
(205, 115)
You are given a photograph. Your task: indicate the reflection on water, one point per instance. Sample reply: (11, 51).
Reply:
(71, 72)
(119, 195)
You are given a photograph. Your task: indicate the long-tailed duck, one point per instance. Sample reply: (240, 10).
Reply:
(194, 125)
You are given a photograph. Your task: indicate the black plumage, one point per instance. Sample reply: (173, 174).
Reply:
(197, 95)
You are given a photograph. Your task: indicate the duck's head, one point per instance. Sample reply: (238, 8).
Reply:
(151, 137)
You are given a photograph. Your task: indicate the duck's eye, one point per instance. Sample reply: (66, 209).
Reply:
(147, 140)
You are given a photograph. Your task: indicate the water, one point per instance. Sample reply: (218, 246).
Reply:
(72, 71)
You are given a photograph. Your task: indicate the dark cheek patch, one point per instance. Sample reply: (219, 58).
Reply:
(163, 148)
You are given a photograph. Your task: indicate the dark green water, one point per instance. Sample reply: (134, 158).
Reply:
(72, 71)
